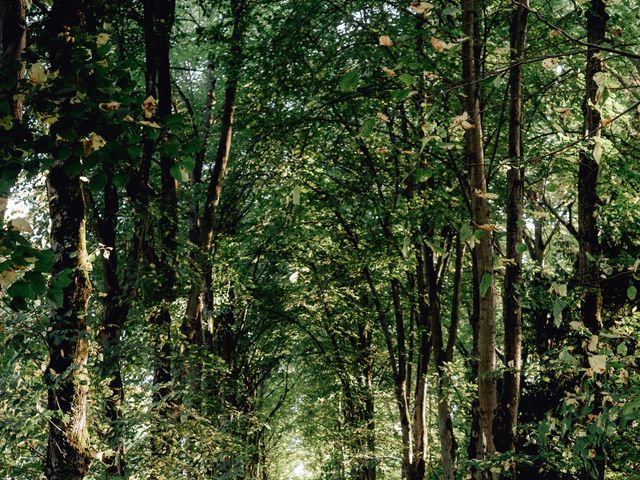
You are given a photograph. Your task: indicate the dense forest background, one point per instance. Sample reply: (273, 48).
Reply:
(336, 239)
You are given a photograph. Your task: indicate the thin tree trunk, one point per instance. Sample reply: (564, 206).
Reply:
(13, 40)
(483, 251)
(109, 332)
(589, 246)
(192, 320)
(507, 413)
(159, 18)
(448, 445)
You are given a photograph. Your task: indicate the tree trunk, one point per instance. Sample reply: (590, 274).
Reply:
(192, 322)
(159, 16)
(115, 314)
(13, 40)
(589, 246)
(66, 375)
(483, 251)
(507, 413)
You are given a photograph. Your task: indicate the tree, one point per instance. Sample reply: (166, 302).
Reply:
(68, 447)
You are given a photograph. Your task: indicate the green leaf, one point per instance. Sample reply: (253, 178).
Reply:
(46, 259)
(37, 283)
(296, 195)
(407, 79)
(565, 356)
(55, 297)
(478, 234)
(62, 279)
(98, 181)
(20, 289)
(521, 248)
(179, 173)
(120, 179)
(485, 283)
(632, 291)
(558, 307)
(189, 164)
(552, 187)
(349, 81)
(367, 126)
(621, 349)
(402, 94)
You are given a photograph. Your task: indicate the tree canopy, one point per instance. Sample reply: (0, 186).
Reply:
(348, 239)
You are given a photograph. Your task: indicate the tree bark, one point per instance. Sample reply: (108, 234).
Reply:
(191, 325)
(589, 245)
(159, 17)
(13, 40)
(483, 251)
(109, 332)
(66, 375)
(507, 413)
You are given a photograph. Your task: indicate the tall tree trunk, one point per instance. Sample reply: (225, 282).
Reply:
(66, 375)
(589, 246)
(507, 414)
(483, 251)
(191, 324)
(109, 332)
(13, 40)
(444, 355)
(368, 468)
(159, 15)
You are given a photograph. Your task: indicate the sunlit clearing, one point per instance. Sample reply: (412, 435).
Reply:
(300, 471)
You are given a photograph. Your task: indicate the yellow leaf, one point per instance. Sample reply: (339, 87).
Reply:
(102, 39)
(550, 63)
(21, 224)
(385, 41)
(109, 106)
(462, 121)
(592, 346)
(149, 124)
(78, 98)
(93, 143)
(564, 112)
(487, 227)
(149, 107)
(50, 119)
(486, 195)
(598, 363)
(440, 45)
(37, 74)
(383, 117)
(7, 277)
(421, 8)
(390, 73)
